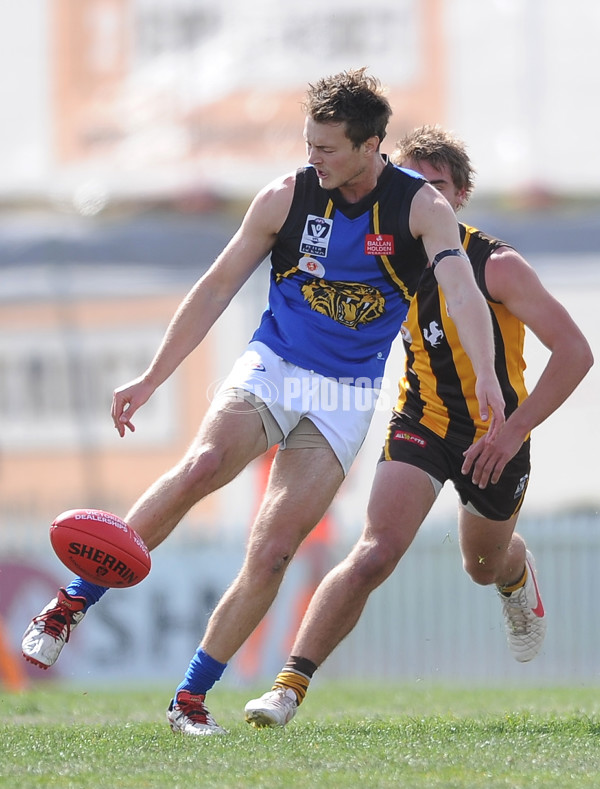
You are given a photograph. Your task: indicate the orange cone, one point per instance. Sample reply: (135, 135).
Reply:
(12, 673)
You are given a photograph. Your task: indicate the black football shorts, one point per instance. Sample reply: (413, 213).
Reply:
(409, 442)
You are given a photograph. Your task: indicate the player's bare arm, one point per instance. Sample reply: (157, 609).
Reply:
(209, 297)
(513, 282)
(433, 220)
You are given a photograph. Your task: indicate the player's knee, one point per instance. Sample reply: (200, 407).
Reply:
(372, 561)
(199, 474)
(268, 562)
(479, 570)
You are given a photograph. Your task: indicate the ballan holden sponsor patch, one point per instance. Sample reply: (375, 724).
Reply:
(379, 244)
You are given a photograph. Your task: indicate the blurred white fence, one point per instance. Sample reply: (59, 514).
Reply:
(428, 621)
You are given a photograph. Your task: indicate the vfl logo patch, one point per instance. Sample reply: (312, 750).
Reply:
(403, 435)
(378, 244)
(316, 235)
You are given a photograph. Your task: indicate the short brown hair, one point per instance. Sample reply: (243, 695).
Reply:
(351, 97)
(439, 147)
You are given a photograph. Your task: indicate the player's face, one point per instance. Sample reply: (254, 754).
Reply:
(441, 179)
(337, 163)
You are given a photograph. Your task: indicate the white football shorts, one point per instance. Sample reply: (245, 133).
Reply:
(290, 398)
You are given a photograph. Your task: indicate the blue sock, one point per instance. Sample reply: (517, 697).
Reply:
(202, 673)
(80, 588)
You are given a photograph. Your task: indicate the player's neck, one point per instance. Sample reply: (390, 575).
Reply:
(363, 184)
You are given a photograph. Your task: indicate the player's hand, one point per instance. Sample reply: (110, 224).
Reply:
(491, 404)
(126, 401)
(487, 458)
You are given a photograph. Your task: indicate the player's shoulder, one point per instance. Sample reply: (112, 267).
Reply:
(411, 188)
(508, 273)
(503, 254)
(472, 234)
(406, 181)
(276, 196)
(279, 185)
(404, 173)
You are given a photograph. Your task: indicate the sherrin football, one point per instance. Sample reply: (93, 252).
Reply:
(100, 547)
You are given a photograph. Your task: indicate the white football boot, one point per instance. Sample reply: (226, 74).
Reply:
(275, 708)
(50, 630)
(187, 714)
(524, 617)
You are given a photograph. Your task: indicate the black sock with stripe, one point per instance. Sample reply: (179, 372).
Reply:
(296, 675)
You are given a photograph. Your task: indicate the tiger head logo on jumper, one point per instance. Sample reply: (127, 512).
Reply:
(350, 304)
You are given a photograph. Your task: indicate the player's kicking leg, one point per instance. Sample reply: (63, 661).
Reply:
(50, 630)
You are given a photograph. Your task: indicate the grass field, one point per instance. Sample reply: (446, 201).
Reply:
(343, 736)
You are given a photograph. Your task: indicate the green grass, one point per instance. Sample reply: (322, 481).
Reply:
(343, 736)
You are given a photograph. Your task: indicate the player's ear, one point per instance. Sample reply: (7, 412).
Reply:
(372, 144)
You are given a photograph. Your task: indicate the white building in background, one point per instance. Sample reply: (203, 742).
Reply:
(522, 85)
(112, 97)
(26, 150)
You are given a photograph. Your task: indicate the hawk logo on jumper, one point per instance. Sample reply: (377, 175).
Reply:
(316, 235)
(433, 334)
(377, 244)
(348, 303)
(402, 435)
(311, 266)
(520, 489)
